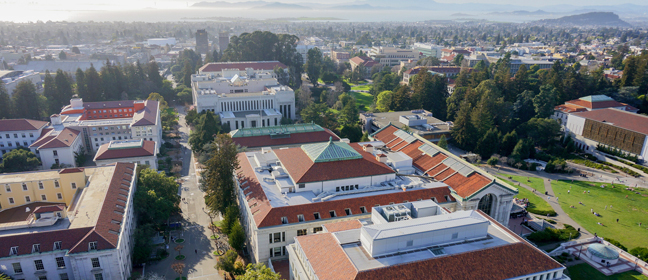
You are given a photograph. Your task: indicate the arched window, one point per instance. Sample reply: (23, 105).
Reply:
(486, 203)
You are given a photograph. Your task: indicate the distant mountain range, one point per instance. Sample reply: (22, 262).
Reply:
(602, 19)
(281, 6)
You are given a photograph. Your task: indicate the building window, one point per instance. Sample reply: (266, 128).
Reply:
(36, 248)
(64, 276)
(39, 264)
(56, 161)
(13, 251)
(24, 186)
(59, 196)
(8, 188)
(57, 245)
(93, 246)
(43, 197)
(17, 267)
(98, 276)
(60, 262)
(300, 218)
(40, 185)
(348, 211)
(301, 186)
(42, 277)
(95, 261)
(284, 220)
(73, 185)
(455, 235)
(301, 232)
(15, 135)
(363, 209)
(277, 237)
(55, 153)
(332, 213)
(27, 199)
(11, 200)
(317, 215)
(56, 184)
(317, 229)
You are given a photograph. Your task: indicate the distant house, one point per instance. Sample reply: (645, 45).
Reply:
(16, 133)
(588, 103)
(366, 62)
(134, 151)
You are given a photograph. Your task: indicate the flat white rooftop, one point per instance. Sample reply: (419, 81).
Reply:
(92, 198)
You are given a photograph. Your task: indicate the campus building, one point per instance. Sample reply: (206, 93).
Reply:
(289, 192)
(11, 79)
(419, 240)
(140, 151)
(588, 103)
(612, 127)
(82, 232)
(243, 94)
(420, 122)
(390, 56)
(202, 41)
(16, 133)
(282, 136)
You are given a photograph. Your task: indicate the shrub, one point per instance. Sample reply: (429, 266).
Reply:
(641, 252)
(554, 235)
(616, 243)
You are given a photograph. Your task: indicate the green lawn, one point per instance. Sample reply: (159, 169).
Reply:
(361, 87)
(535, 183)
(584, 271)
(536, 204)
(363, 98)
(630, 211)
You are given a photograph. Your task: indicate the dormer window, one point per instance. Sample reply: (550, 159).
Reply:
(332, 213)
(92, 246)
(13, 251)
(363, 209)
(347, 211)
(36, 248)
(57, 245)
(317, 215)
(284, 220)
(300, 218)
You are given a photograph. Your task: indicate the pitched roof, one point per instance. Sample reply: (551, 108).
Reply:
(51, 208)
(440, 164)
(108, 104)
(146, 149)
(242, 65)
(302, 169)
(330, 151)
(503, 262)
(327, 258)
(21, 124)
(20, 213)
(56, 139)
(342, 226)
(293, 139)
(68, 237)
(148, 115)
(265, 215)
(618, 118)
(71, 170)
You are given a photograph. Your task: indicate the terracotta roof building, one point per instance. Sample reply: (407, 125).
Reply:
(57, 146)
(612, 127)
(16, 133)
(588, 103)
(362, 61)
(87, 237)
(134, 151)
(241, 66)
(289, 192)
(420, 240)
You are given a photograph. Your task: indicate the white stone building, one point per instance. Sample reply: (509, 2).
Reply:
(16, 133)
(89, 239)
(243, 98)
(11, 79)
(390, 56)
(292, 192)
(419, 240)
(133, 151)
(58, 146)
(588, 103)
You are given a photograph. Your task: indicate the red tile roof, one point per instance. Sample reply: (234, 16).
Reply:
(148, 115)
(64, 138)
(618, 118)
(570, 108)
(303, 170)
(434, 166)
(147, 149)
(108, 104)
(327, 258)
(265, 215)
(21, 124)
(51, 208)
(595, 105)
(294, 139)
(342, 226)
(256, 65)
(76, 240)
(71, 170)
(19, 213)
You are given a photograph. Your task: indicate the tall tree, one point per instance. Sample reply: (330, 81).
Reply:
(259, 272)
(220, 168)
(401, 99)
(489, 144)
(19, 160)
(545, 101)
(6, 104)
(314, 65)
(205, 131)
(156, 196)
(81, 89)
(25, 101)
(153, 73)
(463, 131)
(63, 91)
(49, 91)
(93, 86)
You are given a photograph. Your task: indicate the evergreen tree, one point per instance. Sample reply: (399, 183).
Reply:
(49, 91)
(508, 143)
(187, 71)
(489, 144)
(220, 168)
(25, 101)
(544, 102)
(463, 131)
(204, 132)
(81, 88)
(349, 115)
(153, 72)
(63, 91)
(443, 142)
(93, 86)
(314, 65)
(401, 99)
(6, 104)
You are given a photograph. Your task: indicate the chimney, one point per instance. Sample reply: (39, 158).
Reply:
(55, 119)
(139, 105)
(367, 148)
(382, 158)
(76, 102)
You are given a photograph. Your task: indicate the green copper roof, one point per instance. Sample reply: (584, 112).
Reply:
(596, 98)
(275, 130)
(330, 151)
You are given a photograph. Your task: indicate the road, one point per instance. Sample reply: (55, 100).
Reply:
(198, 248)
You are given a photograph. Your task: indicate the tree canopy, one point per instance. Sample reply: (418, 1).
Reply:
(19, 160)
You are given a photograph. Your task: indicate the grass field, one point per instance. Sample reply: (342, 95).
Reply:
(584, 271)
(361, 87)
(536, 204)
(630, 211)
(535, 183)
(363, 98)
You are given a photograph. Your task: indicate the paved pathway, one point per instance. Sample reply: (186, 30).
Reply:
(198, 248)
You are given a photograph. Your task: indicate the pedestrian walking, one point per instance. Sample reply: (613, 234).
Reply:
(605, 207)
(587, 192)
(610, 207)
(196, 251)
(567, 191)
(617, 220)
(591, 210)
(548, 197)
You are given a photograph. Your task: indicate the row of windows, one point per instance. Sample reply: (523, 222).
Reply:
(15, 135)
(18, 144)
(36, 248)
(111, 111)
(59, 196)
(117, 127)
(60, 263)
(40, 185)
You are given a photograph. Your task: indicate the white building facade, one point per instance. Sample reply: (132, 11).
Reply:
(16, 133)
